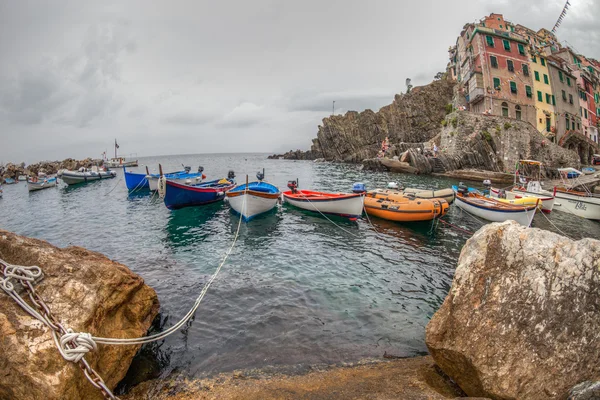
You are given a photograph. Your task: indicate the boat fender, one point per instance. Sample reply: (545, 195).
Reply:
(359, 187)
(188, 181)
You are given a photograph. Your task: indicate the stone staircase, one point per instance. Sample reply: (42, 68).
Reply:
(437, 165)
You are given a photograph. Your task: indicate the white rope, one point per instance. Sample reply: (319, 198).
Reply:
(83, 343)
(555, 227)
(111, 190)
(186, 318)
(327, 218)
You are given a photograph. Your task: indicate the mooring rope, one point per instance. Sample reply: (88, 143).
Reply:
(117, 184)
(328, 219)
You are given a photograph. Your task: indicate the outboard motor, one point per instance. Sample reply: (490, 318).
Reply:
(463, 189)
(200, 169)
(231, 175)
(293, 185)
(359, 187)
(187, 169)
(487, 185)
(260, 175)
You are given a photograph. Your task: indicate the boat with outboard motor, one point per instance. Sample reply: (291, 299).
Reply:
(84, 175)
(252, 199)
(492, 209)
(399, 207)
(527, 183)
(347, 205)
(582, 203)
(177, 195)
(41, 182)
(184, 177)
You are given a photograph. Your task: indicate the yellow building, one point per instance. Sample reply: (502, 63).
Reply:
(544, 99)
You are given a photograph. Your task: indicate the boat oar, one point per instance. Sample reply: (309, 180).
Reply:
(147, 170)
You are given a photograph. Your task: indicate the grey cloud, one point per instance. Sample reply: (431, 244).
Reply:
(188, 118)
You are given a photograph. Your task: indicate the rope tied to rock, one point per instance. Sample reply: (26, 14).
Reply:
(22, 273)
(75, 345)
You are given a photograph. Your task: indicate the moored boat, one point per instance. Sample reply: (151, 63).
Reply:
(41, 182)
(581, 203)
(120, 162)
(177, 195)
(394, 190)
(492, 209)
(394, 206)
(9, 181)
(588, 170)
(84, 175)
(183, 177)
(135, 181)
(348, 205)
(254, 198)
(524, 197)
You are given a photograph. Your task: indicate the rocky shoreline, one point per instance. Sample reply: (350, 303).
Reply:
(13, 171)
(519, 322)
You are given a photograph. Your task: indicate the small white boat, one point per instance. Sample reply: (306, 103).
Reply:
(120, 162)
(254, 198)
(492, 209)
(581, 203)
(84, 175)
(588, 170)
(41, 182)
(518, 193)
(349, 205)
(22, 178)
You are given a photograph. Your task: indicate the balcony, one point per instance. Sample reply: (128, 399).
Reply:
(476, 95)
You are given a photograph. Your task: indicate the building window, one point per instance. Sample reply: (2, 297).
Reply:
(528, 91)
(513, 87)
(540, 98)
(543, 61)
(500, 26)
(578, 126)
(546, 81)
(573, 124)
(534, 59)
(510, 65)
(494, 61)
(490, 41)
(585, 113)
(521, 49)
(548, 99)
(571, 98)
(506, 44)
(581, 111)
(560, 76)
(504, 109)
(518, 112)
(568, 81)
(564, 95)
(496, 83)
(537, 75)
(568, 120)
(525, 70)
(553, 100)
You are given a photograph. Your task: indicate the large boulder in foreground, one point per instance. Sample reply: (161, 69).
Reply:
(86, 292)
(522, 319)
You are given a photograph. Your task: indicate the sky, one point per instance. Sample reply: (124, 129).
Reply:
(181, 77)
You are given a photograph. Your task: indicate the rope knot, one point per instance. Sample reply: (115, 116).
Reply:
(23, 273)
(75, 345)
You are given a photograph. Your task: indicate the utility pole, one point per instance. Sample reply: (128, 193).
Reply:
(333, 108)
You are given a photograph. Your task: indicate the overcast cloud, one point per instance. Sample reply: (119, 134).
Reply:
(204, 76)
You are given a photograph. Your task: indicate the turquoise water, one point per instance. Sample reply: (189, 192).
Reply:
(296, 290)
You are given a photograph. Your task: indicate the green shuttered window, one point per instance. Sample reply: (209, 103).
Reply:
(494, 62)
(490, 41)
(528, 91)
(540, 98)
(521, 49)
(497, 83)
(506, 45)
(546, 79)
(537, 75)
(560, 76)
(513, 87)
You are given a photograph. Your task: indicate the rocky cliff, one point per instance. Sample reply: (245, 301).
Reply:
(522, 317)
(86, 292)
(355, 136)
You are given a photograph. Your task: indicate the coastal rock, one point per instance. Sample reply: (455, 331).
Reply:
(86, 292)
(585, 391)
(522, 317)
(491, 143)
(13, 171)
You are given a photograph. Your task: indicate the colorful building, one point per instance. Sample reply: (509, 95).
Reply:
(566, 107)
(493, 65)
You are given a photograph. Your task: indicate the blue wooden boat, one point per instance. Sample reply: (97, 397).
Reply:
(9, 181)
(179, 195)
(183, 177)
(135, 181)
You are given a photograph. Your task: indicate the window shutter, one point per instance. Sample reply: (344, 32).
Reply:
(546, 79)
(510, 65)
(548, 100)
(521, 49)
(528, 91)
(506, 45)
(540, 98)
(537, 75)
(560, 76)
(543, 62)
(513, 87)
(490, 41)
(553, 100)
(496, 84)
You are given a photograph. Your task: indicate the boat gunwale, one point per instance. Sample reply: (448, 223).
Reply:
(320, 196)
(501, 207)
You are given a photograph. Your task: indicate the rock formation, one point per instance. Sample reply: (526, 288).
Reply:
(521, 320)
(13, 171)
(86, 292)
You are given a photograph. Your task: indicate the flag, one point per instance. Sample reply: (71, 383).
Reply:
(116, 145)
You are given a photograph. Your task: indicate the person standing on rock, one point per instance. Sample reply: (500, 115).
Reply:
(435, 150)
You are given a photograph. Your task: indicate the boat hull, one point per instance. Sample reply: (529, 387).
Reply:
(42, 184)
(251, 204)
(583, 206)
(350, 206)
(407, 210)
(446, 194)
(188, 179)
(517, 194)
(135, 181)
(523, 216)
(74, 178)
(179, 196)
(121, 165)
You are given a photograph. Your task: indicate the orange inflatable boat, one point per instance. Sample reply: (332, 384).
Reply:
(404, 208)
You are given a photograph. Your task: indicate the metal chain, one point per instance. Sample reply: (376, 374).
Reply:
(72, 346)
